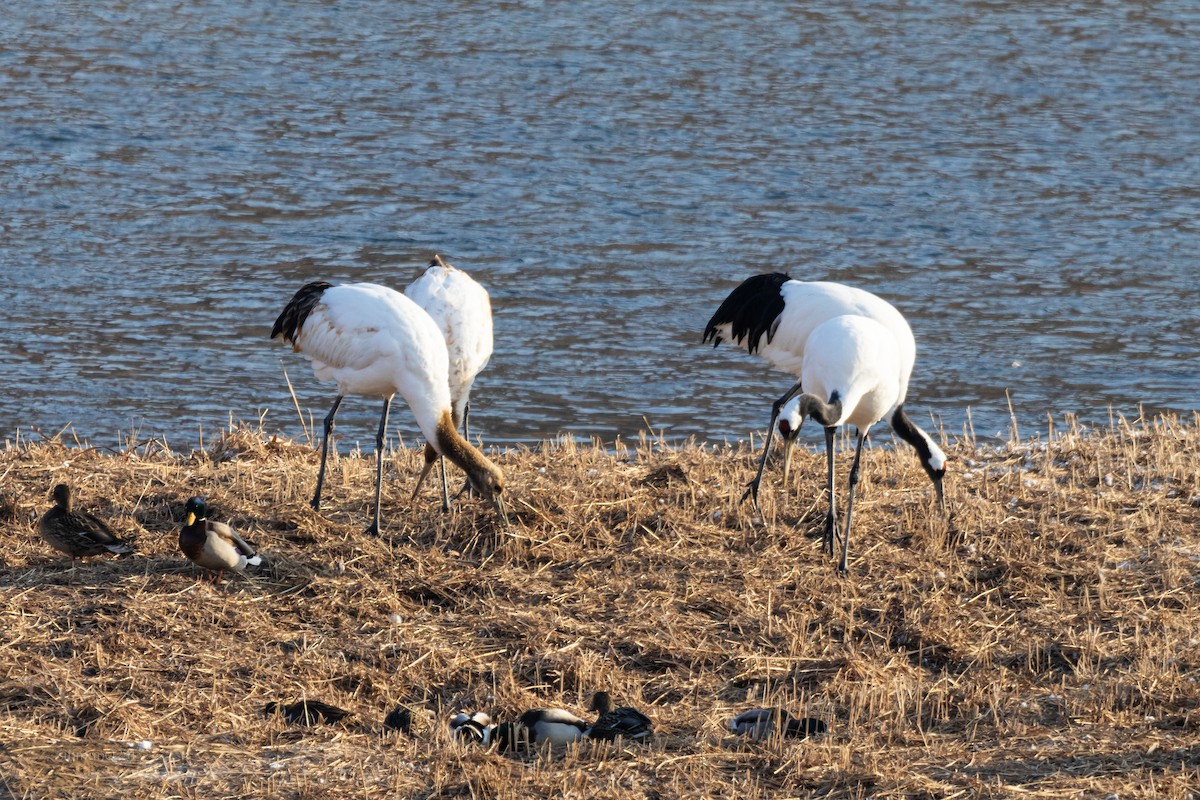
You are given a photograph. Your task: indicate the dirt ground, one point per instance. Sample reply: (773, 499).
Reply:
(1040, 640)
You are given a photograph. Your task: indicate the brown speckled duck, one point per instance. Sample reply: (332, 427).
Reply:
(77, 533)
(212, 545)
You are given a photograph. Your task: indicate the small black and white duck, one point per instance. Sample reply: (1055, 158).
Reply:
(554, 725)
(213, 545)
(77, 533)
(473, 728)
(763, 723)
(307, 712)
(613, 723)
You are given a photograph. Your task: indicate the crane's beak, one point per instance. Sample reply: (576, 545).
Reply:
(789, 444)
(937, 484)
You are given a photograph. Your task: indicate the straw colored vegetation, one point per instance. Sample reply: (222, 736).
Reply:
(1043, 642)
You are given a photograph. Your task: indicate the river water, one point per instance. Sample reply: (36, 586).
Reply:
(1021, 179)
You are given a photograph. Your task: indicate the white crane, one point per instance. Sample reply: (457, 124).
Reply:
(775, 316)
(372, 340)
(851, 376)
(463, 311)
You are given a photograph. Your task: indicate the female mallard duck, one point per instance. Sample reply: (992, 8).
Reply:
(77, 533)
(616, 722)
(554, 725)
(763, 723)
(213, 545)
(477, 727)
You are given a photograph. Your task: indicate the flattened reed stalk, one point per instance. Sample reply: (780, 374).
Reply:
(1050, 646)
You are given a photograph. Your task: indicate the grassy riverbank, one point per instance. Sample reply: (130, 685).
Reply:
(1045, 641)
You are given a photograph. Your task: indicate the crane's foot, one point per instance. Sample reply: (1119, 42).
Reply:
(372, 529)
(752, 493)
(827, 541)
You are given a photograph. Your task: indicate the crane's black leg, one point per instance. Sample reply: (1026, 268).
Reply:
(328, 429)
(379, 437)
(862, 437)
(831, 517)
(445, 488)
(776, 407)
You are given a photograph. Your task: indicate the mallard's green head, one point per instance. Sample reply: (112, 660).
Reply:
(195, 509)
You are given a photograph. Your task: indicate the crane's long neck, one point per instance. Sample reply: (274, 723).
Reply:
(933, 459)
(450, 443)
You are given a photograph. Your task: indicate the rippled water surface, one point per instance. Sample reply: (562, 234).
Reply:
(1022, 181)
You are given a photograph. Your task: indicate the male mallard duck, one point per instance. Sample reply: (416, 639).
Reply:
(77, 533)
(213, 545)
(306, 712)
(554, 725)
(477, 727)
(615, 722)
(762, 723)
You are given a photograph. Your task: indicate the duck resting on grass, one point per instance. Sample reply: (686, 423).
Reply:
(554, 725)
(613, 723)
(306, 712)
(399, 719)
(763, 723)
(473, 728)
(214, 546)
(77, 533)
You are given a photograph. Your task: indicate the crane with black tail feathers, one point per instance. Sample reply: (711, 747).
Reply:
(775, 317)
(374, 341)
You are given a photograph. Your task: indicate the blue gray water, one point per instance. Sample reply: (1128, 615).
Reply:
(1022, 180)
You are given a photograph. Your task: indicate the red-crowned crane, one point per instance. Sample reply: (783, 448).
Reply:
(851, 376)
(775, 316)
(463, 311)
(372, 340)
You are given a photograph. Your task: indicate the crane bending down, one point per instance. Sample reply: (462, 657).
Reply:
(373, 340)
(775, 316)
(463, 311)
(851, 377)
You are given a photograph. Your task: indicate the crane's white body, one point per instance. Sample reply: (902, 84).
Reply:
(853, 353)
(372, 340)
(856, 360)
(809, 304)
(463, 312)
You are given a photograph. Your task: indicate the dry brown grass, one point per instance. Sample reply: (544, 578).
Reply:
(1044, 643)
